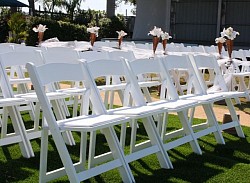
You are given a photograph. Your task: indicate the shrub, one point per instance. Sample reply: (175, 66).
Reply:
(64, 31)
(109, 26)
(17, 26)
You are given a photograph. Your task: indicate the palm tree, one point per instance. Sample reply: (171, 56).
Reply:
(70, 6)
(110, 8)
(32, 7)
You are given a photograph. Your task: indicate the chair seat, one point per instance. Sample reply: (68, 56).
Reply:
(241, 74)
(149, 83)
(140, 111)
(204, 99)
(73, 91)
(113, 87)
(51, 95)
(175, 105)
(11, 101)
(92, 122)
(233, 94)
(20, 80)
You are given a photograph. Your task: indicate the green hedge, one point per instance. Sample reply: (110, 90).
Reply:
(64, 31)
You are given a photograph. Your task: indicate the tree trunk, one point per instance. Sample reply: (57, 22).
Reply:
(110, 8)
(32, 7)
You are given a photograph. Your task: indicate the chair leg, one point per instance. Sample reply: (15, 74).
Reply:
(118, 153)
(4, 123)
(68, 137)
(189, 131)
(155, 139)
(235, 118)
(83, 150)
(212, 121)
(43, 156)
(92, 144)
(133, 135)
(20, 129)
(123, 135)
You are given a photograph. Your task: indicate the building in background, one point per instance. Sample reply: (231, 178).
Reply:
(193, 21)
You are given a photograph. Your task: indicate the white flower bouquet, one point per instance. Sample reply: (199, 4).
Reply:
(93, 34)
(220, 40)
(156, 32)
(93, 30)
(229, 33)
(165, 35)
(40, 28)
(121, 34)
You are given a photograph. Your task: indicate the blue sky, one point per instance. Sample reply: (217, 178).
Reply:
(96, 5)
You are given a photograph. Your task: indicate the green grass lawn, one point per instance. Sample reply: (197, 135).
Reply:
(219, 163)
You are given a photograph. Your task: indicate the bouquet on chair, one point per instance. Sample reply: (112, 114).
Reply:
(165, 37)
(40, 29)
(156, 33)
(121, 34)
(93, 34)
(229, 34)
(220, 41)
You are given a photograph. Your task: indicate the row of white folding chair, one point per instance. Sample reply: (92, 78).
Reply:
(18, 60)
(100, 120)
(201, 63)
(8, 60)
(179, 106)
(139, 101)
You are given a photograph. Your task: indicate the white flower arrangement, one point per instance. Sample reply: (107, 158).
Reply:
(93, 30)
(165, 35)
(229, 33)
(156, 32)
(121, 34)
(40, 28)
(220, 40)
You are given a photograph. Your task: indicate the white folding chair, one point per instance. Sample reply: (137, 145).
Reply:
(172, 103)
(63, 55)
(11, 107)
(199, 62)
(196, 92)
(139, 110)
(18, 60)
(76, 172)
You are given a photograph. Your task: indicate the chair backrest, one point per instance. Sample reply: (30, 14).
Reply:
(172, 47)
(179, 63)
(106, 67)
(16, 60)
(116, 68)
(93, 55)
(28, 48)
(186, 49)
(199, 48)
(20, 58)
(211, 49)
(60, 55)
(117, 55)
(47, 74)
(5, 48)
(98, 44)
(208, 62)
(142, 46)
(154, 66)
(239, 55)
